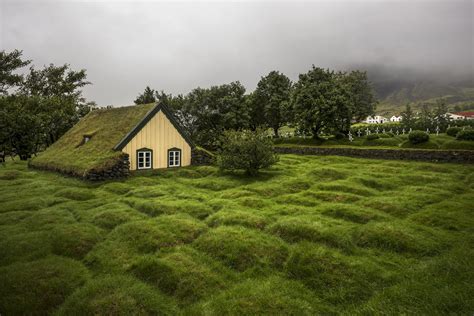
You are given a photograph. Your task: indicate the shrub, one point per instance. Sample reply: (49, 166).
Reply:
(372, 137)
(418, 137)
(453, 131)
(467, 134)
(246, 150)
(38, 287)
(117, 295)
(339, 135)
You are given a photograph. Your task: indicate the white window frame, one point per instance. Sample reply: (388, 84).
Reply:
(174, 158)
(147, 156)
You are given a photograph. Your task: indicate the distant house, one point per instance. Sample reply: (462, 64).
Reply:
(457, 116)
(467, 115)
(377, 119)
(395, 118)
(108, 142)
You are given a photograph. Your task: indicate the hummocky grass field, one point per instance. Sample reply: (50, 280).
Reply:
(312, 235)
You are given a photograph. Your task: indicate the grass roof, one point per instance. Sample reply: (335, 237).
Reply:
(106, 127)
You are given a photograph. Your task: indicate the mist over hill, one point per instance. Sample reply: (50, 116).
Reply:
(396, 86)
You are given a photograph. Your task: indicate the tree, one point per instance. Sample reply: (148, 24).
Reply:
(271, 98)
(440, 116)
(362, 101)
(10, 62)
(211, 111)
(256, 112)
(148, 96)
(426, 117)
(408, 117)
(316, 100)
(48, 103)
(246, 150)
(55, 81)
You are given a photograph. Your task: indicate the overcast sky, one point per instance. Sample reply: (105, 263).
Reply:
(178, 46)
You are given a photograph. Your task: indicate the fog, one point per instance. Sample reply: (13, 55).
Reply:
(178, 46)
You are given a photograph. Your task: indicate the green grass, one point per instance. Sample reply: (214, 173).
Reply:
(311, 235)
(437, 142)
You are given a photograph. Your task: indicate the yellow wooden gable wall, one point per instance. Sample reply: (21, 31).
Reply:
(159, 135)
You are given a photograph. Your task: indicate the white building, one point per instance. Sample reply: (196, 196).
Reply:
(454, 117)
(377, 119)
(395, 118)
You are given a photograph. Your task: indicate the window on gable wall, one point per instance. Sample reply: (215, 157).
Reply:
(144, 159)
(174, 158)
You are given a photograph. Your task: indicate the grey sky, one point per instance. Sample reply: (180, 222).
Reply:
(177, 46)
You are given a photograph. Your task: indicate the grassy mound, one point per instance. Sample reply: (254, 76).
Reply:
(186, 274)
(313, 228)
(442, 285)
(245, 218)
(18, 244)
(450, 215)
(398, 237)
(352, 213)
(114, 214)
(164, 231)
(332, 276)
(273, 296)
(76, 194)
(242, 248)
(39, 286)
(75, 240)
(327, 174)
(117, 295)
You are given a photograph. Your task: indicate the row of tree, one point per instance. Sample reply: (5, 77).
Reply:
(321, 101)
(429, 118)
(39, 107)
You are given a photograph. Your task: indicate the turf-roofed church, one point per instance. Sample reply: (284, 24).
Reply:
(108, 142)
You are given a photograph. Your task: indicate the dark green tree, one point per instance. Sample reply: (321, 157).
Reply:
(55, 81)
(211, 111)
(362, 101)
(9, 63)
(408, 117)
(426, 117)
(442, 120)
(272, 98)
(256, 112)
(148, 96)
(317, 100)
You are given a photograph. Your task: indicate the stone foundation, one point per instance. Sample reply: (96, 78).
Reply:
(121, 169)
(454, 156)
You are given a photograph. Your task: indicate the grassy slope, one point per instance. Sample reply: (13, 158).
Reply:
(311, 235)
(108, 127)
(441, 142)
